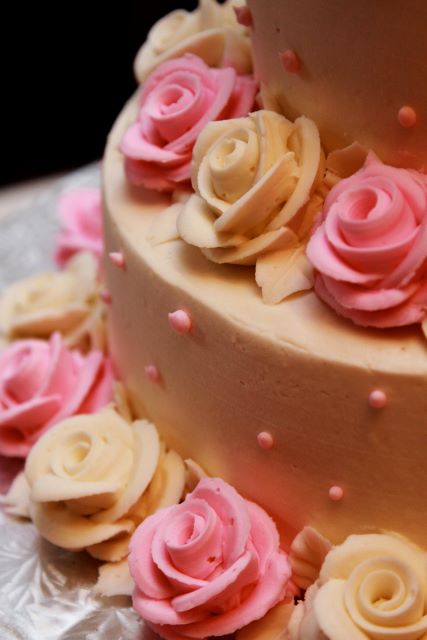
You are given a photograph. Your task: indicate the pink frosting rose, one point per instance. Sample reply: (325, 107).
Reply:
(207, 566)
(178, 99)
(370, 249)
(80, 212)
(43, 382)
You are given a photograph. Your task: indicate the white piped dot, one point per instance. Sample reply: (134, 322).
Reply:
(180, 321)
(377, 399)
(336, 493)
(265, 440)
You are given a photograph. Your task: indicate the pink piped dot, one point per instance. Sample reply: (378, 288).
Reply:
(290, 61)
(152, 373)
(377, 399)
(265, 440)
(336, 493)
(243, 16)
(407, 116)
(180, 321)
(118, 259)
(105, 297)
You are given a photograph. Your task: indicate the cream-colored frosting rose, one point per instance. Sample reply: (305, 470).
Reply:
(255, 180)
(373, 586)
(211, 32)
(93, 478)
(66, 301)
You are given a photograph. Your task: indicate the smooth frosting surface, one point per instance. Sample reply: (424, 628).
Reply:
(295, 370)
(359, 64)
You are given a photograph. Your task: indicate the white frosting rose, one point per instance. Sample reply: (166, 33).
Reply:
(211, 32)
(373, 586)
(66, 301)
(88, 476)
(255, 180)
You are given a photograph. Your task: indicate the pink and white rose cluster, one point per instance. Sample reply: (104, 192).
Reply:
(177, 100)
(370, 249)
(207, 566)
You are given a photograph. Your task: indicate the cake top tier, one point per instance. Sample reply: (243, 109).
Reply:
(356, 65)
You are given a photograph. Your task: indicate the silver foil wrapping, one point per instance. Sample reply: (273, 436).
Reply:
(46, 592)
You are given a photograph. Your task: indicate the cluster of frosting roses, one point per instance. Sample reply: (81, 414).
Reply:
(370, 249)
(208, 566)
(53, 363)
(175, 103)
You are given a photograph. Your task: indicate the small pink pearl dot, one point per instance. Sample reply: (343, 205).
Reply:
(180, 321)
(336, 493)
(407, 117)
(377, 399)
(105, 297)
(243, 16)
(117, 258)
(290, 61)
(265, 440)
(152, 373)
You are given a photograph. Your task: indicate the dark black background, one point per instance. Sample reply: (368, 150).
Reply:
(66, 73)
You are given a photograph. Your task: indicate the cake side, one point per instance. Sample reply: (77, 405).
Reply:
(359, 63)
(295, 371)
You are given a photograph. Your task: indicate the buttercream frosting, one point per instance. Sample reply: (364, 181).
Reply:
(370, 249)
(373, 586)
(80, 214)
(176, 101)
(44, 382)
(211, 32)
(207, 566)
(66, 301)
(253, 179)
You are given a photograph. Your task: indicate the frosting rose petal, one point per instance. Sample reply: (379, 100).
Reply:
(65, 301)
(80, 212)
(210, 32)
(373, 586)
(207, 566)
(176, 101)
(255, 180)
(370, 251)
(43, 382)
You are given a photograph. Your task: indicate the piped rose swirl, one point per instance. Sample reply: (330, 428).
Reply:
(254, 178)
(88, 477)
(373, 586)
(175, 103)
(42, 383)
(208, 566)
(370, 251)
(211, 32)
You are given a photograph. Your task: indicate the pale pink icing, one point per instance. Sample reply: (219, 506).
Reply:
(407, 116)
(265, 440)
(43, 382)
(178, 99)
(152, 372)
(208, 566)
(244, 16)
(180, 321)
(290, 61)
(118, 259)
(370, 248)
(106, 296)
(377, 399)
(336, 493)
(80, 213)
